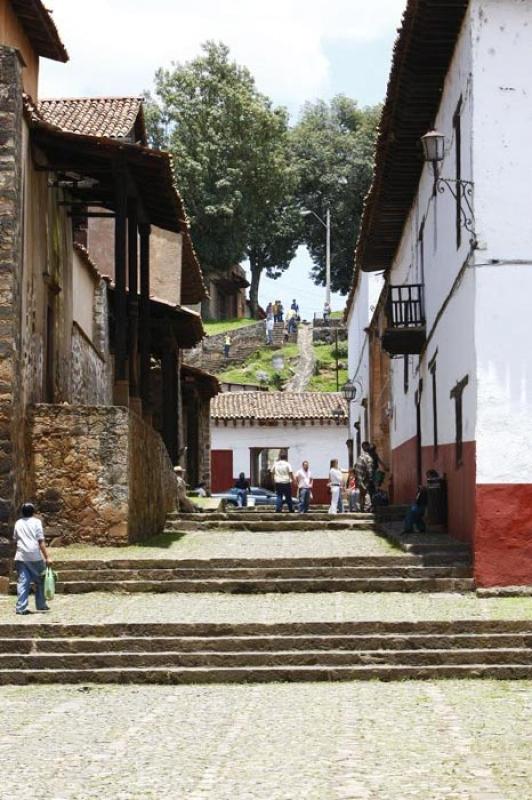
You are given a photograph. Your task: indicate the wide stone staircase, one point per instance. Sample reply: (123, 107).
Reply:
(276, 645)
(184, 654)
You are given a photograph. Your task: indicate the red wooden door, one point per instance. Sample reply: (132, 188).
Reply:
(221, 470)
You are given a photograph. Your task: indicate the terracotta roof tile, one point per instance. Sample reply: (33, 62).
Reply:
(40, 29)
(277, 406)
(113, 117)
(421, 58)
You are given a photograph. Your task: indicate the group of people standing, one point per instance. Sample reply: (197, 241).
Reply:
(275, 313)
(363, 484)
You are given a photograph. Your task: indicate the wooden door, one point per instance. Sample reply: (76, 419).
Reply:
(221, 470)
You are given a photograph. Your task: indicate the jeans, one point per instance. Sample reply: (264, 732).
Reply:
(354, 499)
(226, 350)
(241, 498)
(284, 494)
(304, 500)
(30, 572)
(335, 500)
(414, 518)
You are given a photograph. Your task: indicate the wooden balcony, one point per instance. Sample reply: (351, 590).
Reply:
(406, 330)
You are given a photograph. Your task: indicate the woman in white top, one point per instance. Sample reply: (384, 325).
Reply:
(336, 480)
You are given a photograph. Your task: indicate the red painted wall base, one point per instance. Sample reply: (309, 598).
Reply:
(496, 519)
(503, 535)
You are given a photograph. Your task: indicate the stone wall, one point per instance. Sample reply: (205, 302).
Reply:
(12, 482)
(92, 382)
(152, 484)
(99, 474)
(245, 341)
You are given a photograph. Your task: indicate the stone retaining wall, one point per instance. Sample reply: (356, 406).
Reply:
(152, 483)
(100, 474)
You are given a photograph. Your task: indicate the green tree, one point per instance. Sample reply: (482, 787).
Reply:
(230, 148)
(333, 146)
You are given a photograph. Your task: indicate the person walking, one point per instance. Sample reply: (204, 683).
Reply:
(364, 474)
(282, 478)
(270, 325)
(295, 308)
(326, 311)
(243, 488)
(275, 309)
(280, 311)
(31, 560)
(269, 311)
(227, 345)
(336, 480)
(305, 482)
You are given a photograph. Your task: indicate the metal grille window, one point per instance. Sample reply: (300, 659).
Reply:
(456, 395)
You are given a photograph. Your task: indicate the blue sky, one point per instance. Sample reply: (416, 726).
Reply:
(297, 49)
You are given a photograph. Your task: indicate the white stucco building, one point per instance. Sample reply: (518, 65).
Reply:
(456, 249)
(249, 428)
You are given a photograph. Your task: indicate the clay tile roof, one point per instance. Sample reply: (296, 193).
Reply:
(281, 406)
(40, 29)
(113, 117)
(421, 59)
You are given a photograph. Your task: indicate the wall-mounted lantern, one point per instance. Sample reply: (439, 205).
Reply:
(433, 144)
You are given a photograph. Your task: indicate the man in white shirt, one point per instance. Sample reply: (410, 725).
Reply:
(304, 482)
(282, 478)
(31, 560)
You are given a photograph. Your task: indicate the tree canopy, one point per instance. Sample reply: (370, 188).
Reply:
(231, 157)
(245, 175)
(333, 146)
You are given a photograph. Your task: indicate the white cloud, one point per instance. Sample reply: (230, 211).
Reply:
(115, 46)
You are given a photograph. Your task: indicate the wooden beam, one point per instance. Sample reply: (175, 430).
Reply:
(133, 300)
(145, 322)
(121, 393)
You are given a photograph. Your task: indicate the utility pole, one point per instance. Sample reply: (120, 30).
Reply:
(336, 353)
(328, 257)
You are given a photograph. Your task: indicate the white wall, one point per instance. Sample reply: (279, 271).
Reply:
(84, 287)
(359, 317)
(317, 444)
(502, 58)
(436, 261)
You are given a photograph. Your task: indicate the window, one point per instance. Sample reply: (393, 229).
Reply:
(406, 367)
(421, 242)
(432, 370)
(456, 395)
(457, 125)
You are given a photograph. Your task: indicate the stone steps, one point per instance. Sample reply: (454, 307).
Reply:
(250, 576)
(252, 653)
(286, 522)
(274, 586)
(259, 573)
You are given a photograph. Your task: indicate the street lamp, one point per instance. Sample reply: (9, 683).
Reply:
(433, 144)
(338, 413)
(327, 225)
(349, 391)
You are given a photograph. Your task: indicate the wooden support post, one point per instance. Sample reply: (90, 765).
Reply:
(170, 398)
(133, 307)
(145, 321)
(121, 383)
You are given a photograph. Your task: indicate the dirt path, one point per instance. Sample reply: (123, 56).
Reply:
(305, 365)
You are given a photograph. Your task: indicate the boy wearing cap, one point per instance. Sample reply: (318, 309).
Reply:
(31, 559)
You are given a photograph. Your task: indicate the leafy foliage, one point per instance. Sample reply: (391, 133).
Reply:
(232, 162)
(333, 146)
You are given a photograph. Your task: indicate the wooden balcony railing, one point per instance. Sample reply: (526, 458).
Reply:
(406, 333)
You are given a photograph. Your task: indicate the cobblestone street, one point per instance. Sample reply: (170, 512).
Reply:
(270, 608)
(444, 741)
